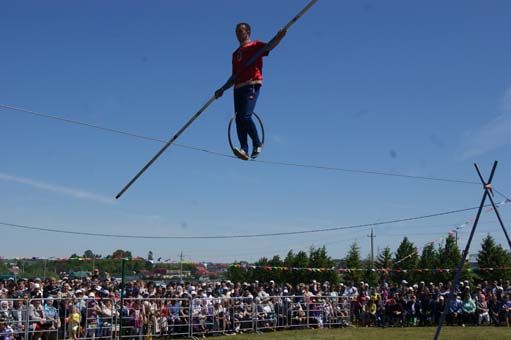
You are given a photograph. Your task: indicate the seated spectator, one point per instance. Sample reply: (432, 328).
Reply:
(410, 310)
(5, 313)
(6, 331)
(494, 309)
(52, 315)
(359, 306)
(298, 314)
(395, 312)
(18, 314)
(328, 311)
(426, 308)
(506, 309)
(202, 319)
(37, 317)
(454, 311)
(438, 306)
(381, 317)
(468, 308)
(370, 312)
(244, 314)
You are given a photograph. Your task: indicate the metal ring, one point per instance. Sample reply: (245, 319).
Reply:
(229, 130)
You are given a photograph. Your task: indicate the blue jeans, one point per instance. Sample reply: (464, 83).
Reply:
(245, 99)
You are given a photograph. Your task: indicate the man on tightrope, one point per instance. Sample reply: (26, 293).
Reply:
(247, 80)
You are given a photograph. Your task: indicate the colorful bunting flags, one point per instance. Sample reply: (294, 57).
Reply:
(348, 270)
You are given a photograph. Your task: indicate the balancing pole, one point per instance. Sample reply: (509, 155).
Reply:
(212, 99)
(487, 193)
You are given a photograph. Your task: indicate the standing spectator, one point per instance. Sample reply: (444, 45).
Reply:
(92, 312)
(65, 290)
(106, 317)
(351, 290)
(73, 323)
(482, 310)
(36, 292)
(3, 290)
(273, 290)
(21, 289)
(51, 289)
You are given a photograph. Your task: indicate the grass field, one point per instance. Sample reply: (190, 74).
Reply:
(449, 333)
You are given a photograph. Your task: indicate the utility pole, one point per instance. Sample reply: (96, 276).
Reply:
(181, 266)
(372, 236)
(44, 273)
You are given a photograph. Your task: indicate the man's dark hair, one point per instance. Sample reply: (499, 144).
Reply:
(247, 26)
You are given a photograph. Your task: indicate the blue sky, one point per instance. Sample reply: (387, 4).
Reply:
(421, 89)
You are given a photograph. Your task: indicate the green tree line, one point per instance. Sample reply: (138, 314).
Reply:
(405, 263)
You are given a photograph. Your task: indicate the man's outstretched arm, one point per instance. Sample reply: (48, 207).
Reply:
(276, 40)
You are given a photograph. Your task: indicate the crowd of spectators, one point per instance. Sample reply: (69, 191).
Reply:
(91, 307)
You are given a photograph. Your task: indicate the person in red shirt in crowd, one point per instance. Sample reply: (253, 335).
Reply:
(247, 81)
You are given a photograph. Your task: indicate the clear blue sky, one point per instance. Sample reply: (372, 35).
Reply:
(421, 89)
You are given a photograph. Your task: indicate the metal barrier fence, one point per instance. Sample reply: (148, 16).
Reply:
(104, 318)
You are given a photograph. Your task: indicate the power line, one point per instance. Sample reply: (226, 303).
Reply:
(501, 194)
(216, 153)
(310, 231)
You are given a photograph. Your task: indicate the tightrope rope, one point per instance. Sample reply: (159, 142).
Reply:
(216, 153)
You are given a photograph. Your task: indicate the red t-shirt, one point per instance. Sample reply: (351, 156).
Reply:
(253, 74)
